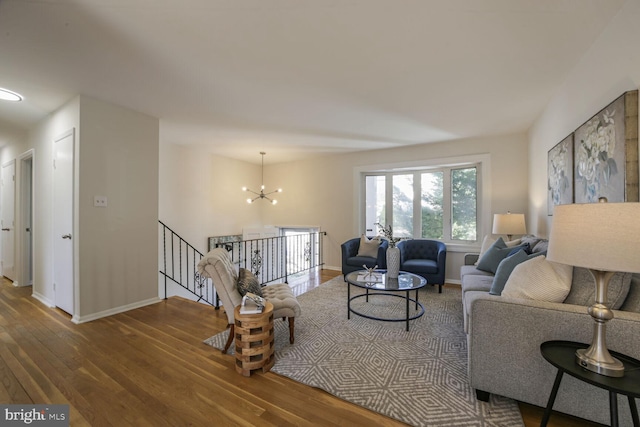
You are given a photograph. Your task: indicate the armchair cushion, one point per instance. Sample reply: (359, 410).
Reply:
(421, 266)
(281, 296)
(368, 247)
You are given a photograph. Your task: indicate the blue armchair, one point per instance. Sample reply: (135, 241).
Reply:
(352, 262)
(426, 258)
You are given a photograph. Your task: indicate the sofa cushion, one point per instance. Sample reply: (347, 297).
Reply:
(368, 247)
(421, 266)
(583, 288)
(495, 254)
(539, 279)
(471, 270)
(247, 282)
(477, 283)
(632, 302)
(506, 267)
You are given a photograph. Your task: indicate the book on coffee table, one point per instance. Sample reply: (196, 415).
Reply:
(369, 277)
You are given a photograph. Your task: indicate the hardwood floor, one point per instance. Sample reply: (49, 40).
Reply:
(149, 367)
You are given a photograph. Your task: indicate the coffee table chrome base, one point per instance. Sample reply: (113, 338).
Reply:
(407, 318)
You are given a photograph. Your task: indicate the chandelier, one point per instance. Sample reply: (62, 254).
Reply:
(262, 194)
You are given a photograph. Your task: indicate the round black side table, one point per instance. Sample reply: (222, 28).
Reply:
(561, 354)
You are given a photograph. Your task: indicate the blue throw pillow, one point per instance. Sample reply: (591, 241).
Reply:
(507, 266)
(516, 249)
(492, 257)
(496, 255)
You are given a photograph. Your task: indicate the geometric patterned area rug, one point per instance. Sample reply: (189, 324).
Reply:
(417, 377)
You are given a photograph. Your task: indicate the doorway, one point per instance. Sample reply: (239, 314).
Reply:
(25, 224)
(7, 219)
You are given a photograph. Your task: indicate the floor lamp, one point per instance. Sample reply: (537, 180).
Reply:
(604, 238)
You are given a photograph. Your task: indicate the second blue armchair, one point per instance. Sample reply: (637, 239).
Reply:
(426, 258)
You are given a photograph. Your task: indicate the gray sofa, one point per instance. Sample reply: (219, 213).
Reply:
(504, 337)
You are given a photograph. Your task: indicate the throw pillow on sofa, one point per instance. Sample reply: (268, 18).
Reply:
(495, 254)
(488, 241)
(583, 289)
(539, 279)
(369, 247)
(506, 267)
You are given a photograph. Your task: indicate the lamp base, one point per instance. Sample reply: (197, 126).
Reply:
(611, 367)
(597, 358)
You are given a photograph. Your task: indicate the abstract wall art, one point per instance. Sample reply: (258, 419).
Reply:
(560, 174)
(606, 153)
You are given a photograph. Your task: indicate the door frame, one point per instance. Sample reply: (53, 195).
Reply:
(15, 220)
(25, 256)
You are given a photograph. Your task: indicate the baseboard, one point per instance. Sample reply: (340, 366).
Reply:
(331, 267)
(453, 281)
(116, 310)
(46, 301)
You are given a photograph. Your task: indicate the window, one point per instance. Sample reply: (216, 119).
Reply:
(375, 209)
(435, 203)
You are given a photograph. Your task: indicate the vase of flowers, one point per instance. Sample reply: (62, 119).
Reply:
(393, 252)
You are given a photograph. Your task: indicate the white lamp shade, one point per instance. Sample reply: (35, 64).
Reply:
(599, 236)
(509, 224)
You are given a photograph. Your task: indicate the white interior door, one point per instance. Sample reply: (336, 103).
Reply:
(7, 219)
(63, 222)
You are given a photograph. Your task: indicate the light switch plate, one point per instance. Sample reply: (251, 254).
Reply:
(100, 201)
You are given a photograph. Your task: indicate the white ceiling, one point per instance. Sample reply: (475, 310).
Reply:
(298, 77)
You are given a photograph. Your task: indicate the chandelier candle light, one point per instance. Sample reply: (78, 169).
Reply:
(262, 194)
(604, 238)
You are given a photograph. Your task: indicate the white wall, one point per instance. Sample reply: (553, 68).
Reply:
(119, 158)
(200, 194)
(610, 68)
(321, 191)
(116, 156)
(317, 192)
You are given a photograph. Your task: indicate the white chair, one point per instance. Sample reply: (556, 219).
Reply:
(217, 266)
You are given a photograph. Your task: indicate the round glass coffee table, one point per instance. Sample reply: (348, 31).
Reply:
(381, 285)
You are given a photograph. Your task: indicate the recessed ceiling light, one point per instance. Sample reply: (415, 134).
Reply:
(8, 95)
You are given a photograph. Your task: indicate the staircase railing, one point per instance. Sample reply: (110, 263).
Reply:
(270, 259)
(276, 258)
(180, 266)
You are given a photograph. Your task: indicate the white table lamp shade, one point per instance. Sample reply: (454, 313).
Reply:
(598, 236)
(509, 224)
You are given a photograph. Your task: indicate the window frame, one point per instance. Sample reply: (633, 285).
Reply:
(483, 208)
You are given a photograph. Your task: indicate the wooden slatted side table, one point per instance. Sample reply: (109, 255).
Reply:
(254, 341)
